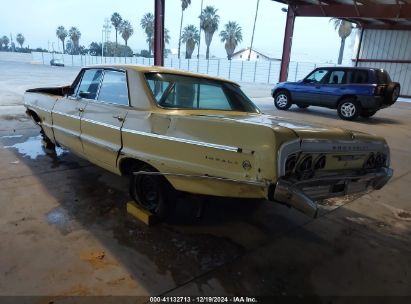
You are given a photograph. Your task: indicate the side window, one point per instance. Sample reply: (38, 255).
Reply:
(114, 88)
(213, 97)
(89, 84)
(359, 77)
(197, 96)
(158, 87)
(317, 76)
(337, 77)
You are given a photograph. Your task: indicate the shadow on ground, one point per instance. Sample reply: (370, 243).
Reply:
(237, 246)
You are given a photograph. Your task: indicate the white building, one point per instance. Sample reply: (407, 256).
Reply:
(255, 55)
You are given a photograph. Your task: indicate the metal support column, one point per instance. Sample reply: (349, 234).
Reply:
(159, 32)
(288, 38)
(357, 56)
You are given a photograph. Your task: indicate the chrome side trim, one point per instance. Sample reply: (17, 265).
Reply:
(66, 115)
(100, 123)
(253, 183)
(186, 141)
(38, 107)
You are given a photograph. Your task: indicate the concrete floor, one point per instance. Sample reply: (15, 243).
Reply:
(64, 230)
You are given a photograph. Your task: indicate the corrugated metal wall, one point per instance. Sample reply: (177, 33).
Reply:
(389, 45)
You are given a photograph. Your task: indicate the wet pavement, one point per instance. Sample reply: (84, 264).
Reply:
(64, 220)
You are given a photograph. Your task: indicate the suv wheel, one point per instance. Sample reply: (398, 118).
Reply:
(282, 100)
(392, 93)
(348, 109)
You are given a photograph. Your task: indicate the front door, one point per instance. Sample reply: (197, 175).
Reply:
(68, 110)
(310, 88)
(103, 119)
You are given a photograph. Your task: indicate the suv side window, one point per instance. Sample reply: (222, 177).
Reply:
(89, 84)
(359, 76)
(114, 88)
(337, 77)
(317, 76)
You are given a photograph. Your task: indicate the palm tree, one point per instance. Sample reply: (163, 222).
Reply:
(126, 30)
(166, 39)
(344, 28)
(61, 34)
(209, 23)
(116, 21)
(184, 5)
(147, 23)
(232, 35)
(190, 37)
(75, 35)
(5, 40)
(20, 39)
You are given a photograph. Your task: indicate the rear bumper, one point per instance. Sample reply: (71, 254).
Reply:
(302, 195)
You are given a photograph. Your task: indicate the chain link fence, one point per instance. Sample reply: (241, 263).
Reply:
(236, 70)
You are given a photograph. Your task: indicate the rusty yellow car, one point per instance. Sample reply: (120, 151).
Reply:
(169, 129)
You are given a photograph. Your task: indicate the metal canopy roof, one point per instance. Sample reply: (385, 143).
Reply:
(373, 14)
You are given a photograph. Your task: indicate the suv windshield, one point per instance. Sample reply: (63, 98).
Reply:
(187, 92)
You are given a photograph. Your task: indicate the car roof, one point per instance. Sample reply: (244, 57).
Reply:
(157, 69)
(348, 68)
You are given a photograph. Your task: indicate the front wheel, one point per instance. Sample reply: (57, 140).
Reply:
(349, 109)
(282, 100)
(151, 192)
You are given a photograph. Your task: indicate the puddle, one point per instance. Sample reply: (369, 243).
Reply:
(32, 147)
(59, 218)
(11, 136)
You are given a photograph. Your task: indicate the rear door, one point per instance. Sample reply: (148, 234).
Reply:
(68, 110)
(103, 119)
(334, 86)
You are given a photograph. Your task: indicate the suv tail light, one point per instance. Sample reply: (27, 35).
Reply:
(379, 90)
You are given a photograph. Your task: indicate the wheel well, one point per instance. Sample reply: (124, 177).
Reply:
(34, 116)
(345, 97)
(128, 165)
(280, 89)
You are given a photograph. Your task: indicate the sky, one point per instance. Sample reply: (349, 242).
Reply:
(314, 38)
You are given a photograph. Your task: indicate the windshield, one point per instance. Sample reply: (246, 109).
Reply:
(187, 92)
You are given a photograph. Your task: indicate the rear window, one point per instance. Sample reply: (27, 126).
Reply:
(358, 76)
(382, 77)
(186, 92)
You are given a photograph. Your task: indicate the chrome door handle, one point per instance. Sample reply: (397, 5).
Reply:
(120, 118)
(80, 109)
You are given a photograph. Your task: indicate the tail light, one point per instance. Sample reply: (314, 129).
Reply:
(377, 160)
(370, 162)
(290, 164)
(379, 90)
(320, 162)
